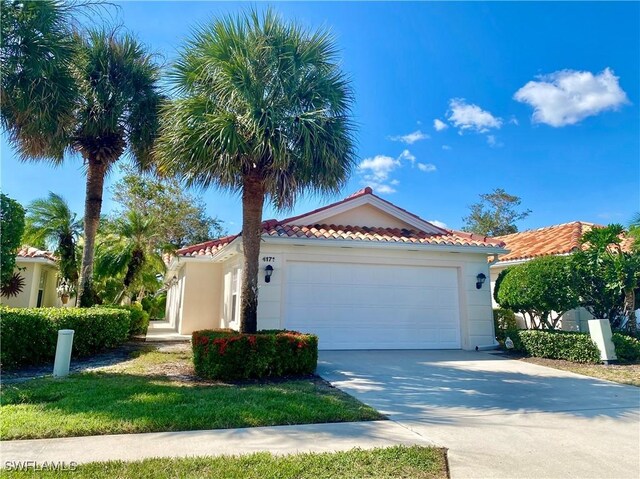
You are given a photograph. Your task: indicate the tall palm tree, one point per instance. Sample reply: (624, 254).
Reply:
(116, 111)
(127, 250)
(94, 93)
(263, 109)
(51, 223)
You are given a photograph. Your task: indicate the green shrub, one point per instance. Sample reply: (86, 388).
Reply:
(29, 336)
(576, 347)
(12, 227)
(139, 318)
(229, 355)
(627, 347)
(504, 320)
(155, 305)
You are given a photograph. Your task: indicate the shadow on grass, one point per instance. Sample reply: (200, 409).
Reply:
(111, 403)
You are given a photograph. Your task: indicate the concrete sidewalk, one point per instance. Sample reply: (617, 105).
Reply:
(276, 439)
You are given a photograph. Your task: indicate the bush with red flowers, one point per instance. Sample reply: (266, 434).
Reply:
(229, 355)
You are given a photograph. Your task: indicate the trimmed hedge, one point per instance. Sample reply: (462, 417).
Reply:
(139, 318)
(627, 347)
(576, 347)
(229, 355)
(503, 320)
(29, 336)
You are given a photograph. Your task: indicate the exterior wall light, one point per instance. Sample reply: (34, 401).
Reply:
(268, 271)
(480, 279)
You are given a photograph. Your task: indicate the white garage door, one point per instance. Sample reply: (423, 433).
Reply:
(366, 306)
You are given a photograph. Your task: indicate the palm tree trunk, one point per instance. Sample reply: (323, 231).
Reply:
(96, 172)
(629, 310)
(252, 204)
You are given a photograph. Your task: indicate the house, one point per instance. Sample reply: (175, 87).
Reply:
(562, 239)
(361, 273)
(39, 270)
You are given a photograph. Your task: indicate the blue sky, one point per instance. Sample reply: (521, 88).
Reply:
(541, 99)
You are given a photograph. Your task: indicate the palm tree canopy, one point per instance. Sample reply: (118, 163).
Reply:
(50, 223)
(118, 98)
(259, 97)
(38, 91)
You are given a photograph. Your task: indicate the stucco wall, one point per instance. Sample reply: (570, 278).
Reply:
(202, 297)
(31, 271)
(366, 215)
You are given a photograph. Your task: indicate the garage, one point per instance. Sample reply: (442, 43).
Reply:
(373, 306)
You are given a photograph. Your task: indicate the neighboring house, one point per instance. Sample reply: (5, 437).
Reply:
(39, 270)
(361, 273)
(562, 239)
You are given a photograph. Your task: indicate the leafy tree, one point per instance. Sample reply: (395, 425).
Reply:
(608, 276)
(495, 214)
(542, 289)
(180, 219)
(93, 93)
(51, 224)
(634, 231)
(11, 227)
(262, 109)
(126, 260)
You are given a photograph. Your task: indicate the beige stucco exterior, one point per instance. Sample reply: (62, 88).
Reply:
(33, 270)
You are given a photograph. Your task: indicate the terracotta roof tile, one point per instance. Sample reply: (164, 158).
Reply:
(31, 252)
(208, 248)
(550, 240)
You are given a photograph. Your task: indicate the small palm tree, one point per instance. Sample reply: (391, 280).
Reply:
(51, 223)
(126, 251)
(262, 109)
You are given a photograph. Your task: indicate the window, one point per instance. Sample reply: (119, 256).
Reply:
(41, 288)
(235, 293)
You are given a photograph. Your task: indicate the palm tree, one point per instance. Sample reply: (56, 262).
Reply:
(264, 110)
(116, 111)
(127, 250)
(95, 94)
(51, 223)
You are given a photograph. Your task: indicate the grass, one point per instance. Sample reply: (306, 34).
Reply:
(157, 392)
(619, 373)
(393, 462)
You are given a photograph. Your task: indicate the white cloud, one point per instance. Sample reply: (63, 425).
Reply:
(439, 125)
(567, 97)
(465, 116)
(381, 188)
(378, 168)
(426, 167)
(410, 138)
(493, 142)
(446, 147)
(439, 224)
(406, 155)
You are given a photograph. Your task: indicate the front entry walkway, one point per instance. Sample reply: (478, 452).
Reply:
(500, 418)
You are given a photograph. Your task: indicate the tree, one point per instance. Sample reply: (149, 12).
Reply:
(180, 219)
(99, 98)
(11, 227)
(125, 253)
(608, 276)
(542, 289)
(51, 224)
(38, 89)
(264, 110)
(495, 214)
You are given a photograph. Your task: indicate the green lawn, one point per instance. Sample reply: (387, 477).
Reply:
(137, 397)
(393, 462)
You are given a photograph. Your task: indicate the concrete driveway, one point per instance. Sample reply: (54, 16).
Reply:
(499, 417)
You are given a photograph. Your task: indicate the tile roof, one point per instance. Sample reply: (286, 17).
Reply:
(389, 235)
(285, 229)
(550, 240)
(31, 252)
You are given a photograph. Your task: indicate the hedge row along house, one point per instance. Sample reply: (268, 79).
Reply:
(361, 273)
(559, 240)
